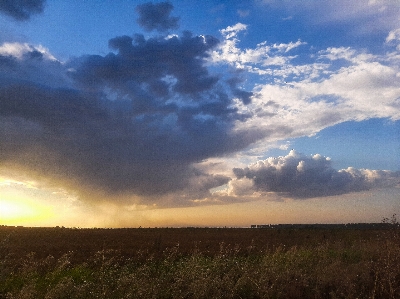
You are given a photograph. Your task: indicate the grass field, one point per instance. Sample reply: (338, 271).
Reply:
(279, 262)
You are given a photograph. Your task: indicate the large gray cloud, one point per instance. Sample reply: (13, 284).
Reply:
(159, 63)
(21, 9)
(300, 176)
(131, 122)
(157, 16)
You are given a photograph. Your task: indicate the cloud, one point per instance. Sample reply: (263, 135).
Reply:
(19, 50)
(156, 16)
(305, 93)
(394, 35)
(136, 124)
(22, 10)
(23, 62)
(161, 63)
(232, 31)
(130, 125)
(393, 38)
(249, 59)
(300, 176)
(243, 95)
(88, 146)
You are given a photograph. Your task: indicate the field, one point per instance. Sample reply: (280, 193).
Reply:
(275, 262)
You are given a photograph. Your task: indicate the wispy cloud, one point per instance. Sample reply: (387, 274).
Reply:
(251, 59)
(336, 85)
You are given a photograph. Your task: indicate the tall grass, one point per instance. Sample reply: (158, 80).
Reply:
(332, 269)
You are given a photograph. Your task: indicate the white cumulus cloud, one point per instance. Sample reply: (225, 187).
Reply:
(299, 176)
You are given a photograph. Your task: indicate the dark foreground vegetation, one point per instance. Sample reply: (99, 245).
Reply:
(287, 262)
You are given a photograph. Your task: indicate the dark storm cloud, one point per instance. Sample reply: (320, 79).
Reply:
(300, 176)
(76, 138)
(156, 16)
(159, 63)
(21, 10)
(134, 123)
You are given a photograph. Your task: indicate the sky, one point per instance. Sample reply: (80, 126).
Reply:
(199, 113)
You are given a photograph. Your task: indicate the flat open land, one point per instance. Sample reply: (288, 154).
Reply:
(286, 261)
(20, 241)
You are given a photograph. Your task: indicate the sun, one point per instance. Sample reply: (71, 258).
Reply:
(22, 212)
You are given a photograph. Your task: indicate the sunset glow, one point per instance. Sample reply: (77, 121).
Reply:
(205, 113)
(23, 212)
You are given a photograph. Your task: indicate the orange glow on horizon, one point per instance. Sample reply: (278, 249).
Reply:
(27, 203)
(22, 212)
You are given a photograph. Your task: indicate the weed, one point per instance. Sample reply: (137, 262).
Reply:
(345, 264)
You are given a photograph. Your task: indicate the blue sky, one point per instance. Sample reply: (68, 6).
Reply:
(153, 113)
